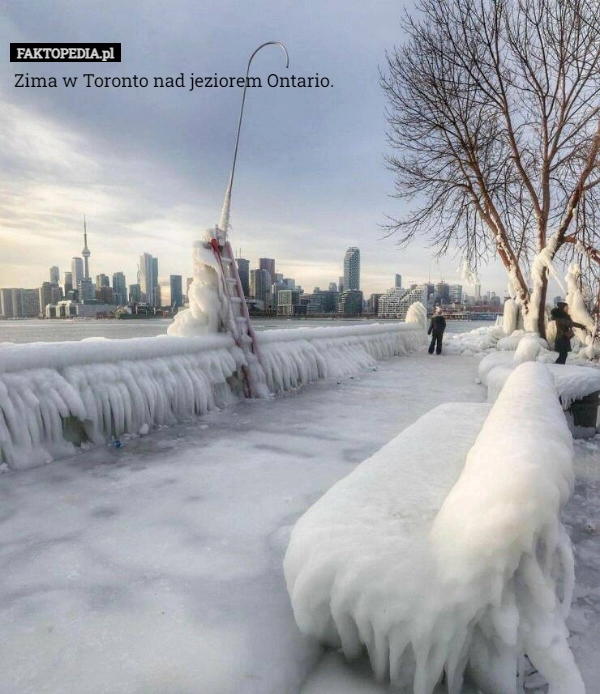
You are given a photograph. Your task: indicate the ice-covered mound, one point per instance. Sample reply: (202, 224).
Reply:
(205, 313)
(473, 342)
(436, 574)
(417, 313)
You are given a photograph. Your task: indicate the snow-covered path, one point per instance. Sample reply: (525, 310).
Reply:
(157, 567)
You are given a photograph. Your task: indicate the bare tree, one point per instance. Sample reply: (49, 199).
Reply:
(494, 114)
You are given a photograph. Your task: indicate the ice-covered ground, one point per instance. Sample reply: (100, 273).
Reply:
(156, 568)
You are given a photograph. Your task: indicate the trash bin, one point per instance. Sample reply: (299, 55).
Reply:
(585, 411)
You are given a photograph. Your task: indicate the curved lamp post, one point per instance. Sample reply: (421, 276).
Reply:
(224, 221)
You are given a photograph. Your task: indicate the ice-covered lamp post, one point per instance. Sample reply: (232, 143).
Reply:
(212, 308)
(223, 225)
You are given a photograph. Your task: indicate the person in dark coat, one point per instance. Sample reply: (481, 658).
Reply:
(436, 330)
(564, 330)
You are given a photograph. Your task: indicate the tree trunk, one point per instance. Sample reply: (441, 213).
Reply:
(541, 307)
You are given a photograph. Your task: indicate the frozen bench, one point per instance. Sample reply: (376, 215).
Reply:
(442, 552)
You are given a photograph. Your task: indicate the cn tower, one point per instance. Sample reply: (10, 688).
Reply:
(85, 253)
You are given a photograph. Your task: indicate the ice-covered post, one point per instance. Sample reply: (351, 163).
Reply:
(206, 313)
(223, 225)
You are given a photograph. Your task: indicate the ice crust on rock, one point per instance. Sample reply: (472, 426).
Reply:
(435, 568)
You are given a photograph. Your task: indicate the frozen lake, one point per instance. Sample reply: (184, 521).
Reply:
(35, 330)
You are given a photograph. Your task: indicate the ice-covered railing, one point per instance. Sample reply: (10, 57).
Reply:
(292, 358)
(439, 570)
(55, 395)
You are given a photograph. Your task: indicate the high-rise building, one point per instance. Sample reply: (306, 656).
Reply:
(87, 290)
(119, 288)
(6, 303)
(396, 301)
(148, 278)
(350, 302)
(45, 295)
(54, 275)
(243, 266)
(456, 293)
(267, 264)
(170, 291)
(288, 301)
(104, 294)
(135, 293)
(68, 283)
(352, 270)
(155, 278)
(442, 289)
(398, 281)
(260, 285)
(102, 280)
(26, 303)
(76, 272)
(176, 282)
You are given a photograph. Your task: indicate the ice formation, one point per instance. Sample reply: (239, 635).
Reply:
(473, 342)
(54, 395)
(292, 358)
(510, 318)
(435, 568)
(529, 348)
(205, 313)
(571, 382)
(417, 313)
(577, 310)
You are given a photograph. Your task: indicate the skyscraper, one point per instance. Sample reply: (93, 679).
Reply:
(76, 272)
(352, 269)
(398, 282)
(260, 286)
(68, 283)
(267, 264)
(54, 275)
(176, 282)
(170, 291)
(244, 273)
(120, 287)
(85, 252)
(148, 278)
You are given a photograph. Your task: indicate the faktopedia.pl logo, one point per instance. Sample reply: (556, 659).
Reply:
(65, 52)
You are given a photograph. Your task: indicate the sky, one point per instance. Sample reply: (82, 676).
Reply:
(148, 166)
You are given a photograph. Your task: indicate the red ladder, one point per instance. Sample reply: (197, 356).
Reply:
(237, 318)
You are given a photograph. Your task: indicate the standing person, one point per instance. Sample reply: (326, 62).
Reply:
(436, 330)
(564, 330)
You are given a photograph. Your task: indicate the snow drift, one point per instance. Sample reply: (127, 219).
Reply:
(436, 568)
(53, 396)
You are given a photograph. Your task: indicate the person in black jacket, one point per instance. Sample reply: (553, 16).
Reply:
(564, 330)
(436, 330)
